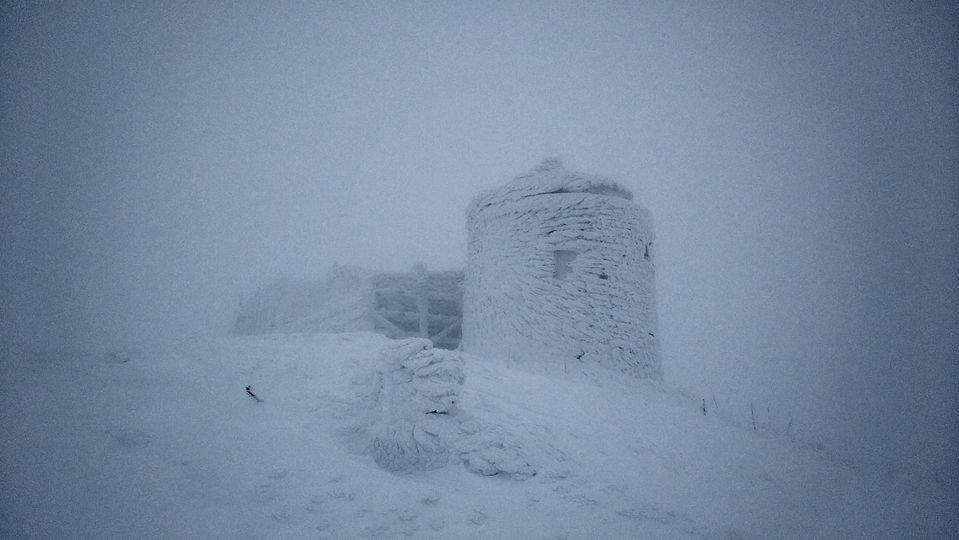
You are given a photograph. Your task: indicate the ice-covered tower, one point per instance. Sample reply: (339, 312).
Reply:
(559, 275)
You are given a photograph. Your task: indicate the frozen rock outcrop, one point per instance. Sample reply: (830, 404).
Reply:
(560, 276)
(417, 423)
(419, 389)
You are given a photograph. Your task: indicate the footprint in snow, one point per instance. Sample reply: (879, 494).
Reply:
(478, 517)
(269, 491)
(431, 498)
(404, 515)
(651, 512)
(131, 438)
(122, 355)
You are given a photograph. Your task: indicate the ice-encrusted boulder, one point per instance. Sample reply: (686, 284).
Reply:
(419, 390)
(417, 423)
(560, 276)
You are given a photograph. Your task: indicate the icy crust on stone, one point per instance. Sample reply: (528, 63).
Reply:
(564, 282)
(548, 178)
(419, 387)
(417, 423)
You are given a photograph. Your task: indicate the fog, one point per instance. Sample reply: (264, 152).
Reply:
(800, 163)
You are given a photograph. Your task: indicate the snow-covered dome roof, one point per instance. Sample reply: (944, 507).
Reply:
(551, 177)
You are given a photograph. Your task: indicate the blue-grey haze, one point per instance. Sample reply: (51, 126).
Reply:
(158, 159)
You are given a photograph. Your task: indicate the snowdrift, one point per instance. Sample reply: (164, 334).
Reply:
(359, 436)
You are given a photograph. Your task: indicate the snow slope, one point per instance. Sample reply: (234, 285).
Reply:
(166, 443)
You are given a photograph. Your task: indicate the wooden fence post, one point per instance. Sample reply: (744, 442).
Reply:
(422, 299)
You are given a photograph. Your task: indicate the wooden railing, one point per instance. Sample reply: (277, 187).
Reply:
(420, 304)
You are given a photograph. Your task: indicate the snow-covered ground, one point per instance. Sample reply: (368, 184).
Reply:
(166, 443)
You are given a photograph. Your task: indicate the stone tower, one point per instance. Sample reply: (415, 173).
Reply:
(560, 276)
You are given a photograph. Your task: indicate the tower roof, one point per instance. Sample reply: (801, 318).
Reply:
(550, 177)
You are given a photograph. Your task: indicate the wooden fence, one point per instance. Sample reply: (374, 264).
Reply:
(420, 304)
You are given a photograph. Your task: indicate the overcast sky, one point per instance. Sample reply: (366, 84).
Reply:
(799, 160)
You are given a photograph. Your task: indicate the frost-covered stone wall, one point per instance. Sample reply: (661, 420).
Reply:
(560, 275)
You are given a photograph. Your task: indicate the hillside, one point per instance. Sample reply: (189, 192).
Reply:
(166, 443)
